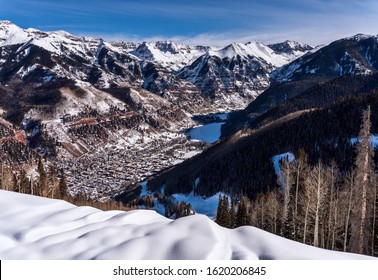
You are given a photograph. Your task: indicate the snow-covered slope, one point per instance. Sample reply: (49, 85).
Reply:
(252, 49)
(170, 54)
(290, 49)
(355, 55)
(39, 228)
(237, 73)
(232, 74)
(24, 52)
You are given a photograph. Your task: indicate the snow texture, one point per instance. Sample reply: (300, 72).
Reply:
(40, 228)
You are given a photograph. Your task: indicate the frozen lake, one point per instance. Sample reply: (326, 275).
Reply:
(209, 132)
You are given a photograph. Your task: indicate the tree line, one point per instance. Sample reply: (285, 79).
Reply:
(48, 182)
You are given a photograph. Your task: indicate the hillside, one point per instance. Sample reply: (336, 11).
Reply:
(243, 161)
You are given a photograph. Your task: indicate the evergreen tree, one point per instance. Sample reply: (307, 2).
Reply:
(226, 212)
(242, 214)
(219, 217)
(223, 215)
(232, 215)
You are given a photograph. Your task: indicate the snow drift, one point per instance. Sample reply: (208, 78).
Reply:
(40, 228)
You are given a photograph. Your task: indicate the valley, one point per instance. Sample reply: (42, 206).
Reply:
(123, 163)
(225, 131)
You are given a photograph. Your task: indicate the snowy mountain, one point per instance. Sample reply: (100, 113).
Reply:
(33, 56)
(290, 49)
(38, 228)
(93, 98)
(169, 54)
(356, 55)
(237, 72)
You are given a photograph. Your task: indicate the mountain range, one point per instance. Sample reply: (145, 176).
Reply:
(168, 69)
(85, 90)
(115, 120)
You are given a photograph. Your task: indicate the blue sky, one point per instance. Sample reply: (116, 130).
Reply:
(205, 22)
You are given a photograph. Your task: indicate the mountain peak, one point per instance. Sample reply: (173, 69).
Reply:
(6, 22)
(359, 37)
(290, 47)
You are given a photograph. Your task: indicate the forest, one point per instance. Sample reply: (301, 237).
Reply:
(317, 204)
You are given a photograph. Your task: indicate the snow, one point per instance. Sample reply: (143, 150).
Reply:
(277, 159)
(373, 140)
(40, 228)
(11, 34)
(207, 133)
(252, 49)
(204, 205)
(169, 54)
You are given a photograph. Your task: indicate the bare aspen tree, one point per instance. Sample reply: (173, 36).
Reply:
(333, 173)
(286, 179)
(318, 203)
(364, 169)
(350, 183)
(300, 170)
(306, 217)
(335, 215)
(273, 204)
(316, 186)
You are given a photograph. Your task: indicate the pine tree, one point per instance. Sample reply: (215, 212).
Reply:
(223, 216)
(219, 217)
(226, 213)
(232, 215)
(242, 214)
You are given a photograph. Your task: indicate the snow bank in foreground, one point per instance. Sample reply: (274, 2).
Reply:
(40, 228)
